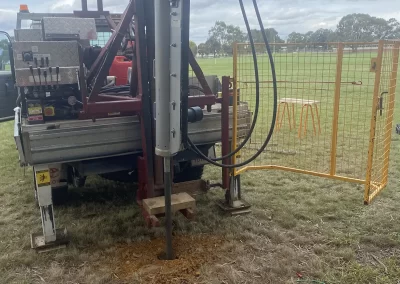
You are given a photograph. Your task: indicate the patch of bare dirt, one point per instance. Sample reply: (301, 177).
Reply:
(140, 261)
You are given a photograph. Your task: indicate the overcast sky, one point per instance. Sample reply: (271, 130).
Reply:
(283, 15)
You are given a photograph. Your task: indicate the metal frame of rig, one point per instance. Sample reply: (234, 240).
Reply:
(67, 92)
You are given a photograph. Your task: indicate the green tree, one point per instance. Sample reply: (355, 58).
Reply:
(295, 37)
(363, 27)
(352, 27)
(394, 29)
(193, 47)
(299, 38)
(321, 37)
(272, 37)
(201, 49)
(213, 46)
(318, 38)
(308, 36)
(222, 37)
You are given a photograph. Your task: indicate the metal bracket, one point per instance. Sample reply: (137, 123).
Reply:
(374, 62)
(174, 3)
(38, 241)
(50, 238)
(380, 107)
(233, 204)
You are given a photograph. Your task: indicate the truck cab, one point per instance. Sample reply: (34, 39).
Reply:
(8, 94)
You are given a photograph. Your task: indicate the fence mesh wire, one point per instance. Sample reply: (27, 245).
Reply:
(325, 101)
(384, 117)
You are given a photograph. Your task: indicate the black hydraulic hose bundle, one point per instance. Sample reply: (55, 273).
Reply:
(257, 81)
(275, 90)
(116, 89)
(7, 35)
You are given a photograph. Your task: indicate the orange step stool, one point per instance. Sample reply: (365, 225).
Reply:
(287, 107)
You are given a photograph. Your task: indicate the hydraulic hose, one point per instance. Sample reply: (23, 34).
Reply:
(256, 75)
(7, 35)
(275, 91)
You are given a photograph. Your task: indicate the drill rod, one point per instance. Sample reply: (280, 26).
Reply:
(168, 207)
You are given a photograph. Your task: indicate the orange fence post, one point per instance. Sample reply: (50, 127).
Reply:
(389, 119)
(339, 67)
(378, 70)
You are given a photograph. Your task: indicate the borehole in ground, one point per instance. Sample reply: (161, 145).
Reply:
(141, 260)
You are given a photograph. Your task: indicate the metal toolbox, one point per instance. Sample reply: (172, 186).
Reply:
(28, 35)
(69, 28)
(62, 54)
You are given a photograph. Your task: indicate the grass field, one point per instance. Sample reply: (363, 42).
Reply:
(299, 224)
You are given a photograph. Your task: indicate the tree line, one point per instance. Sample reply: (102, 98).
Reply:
(352, 27)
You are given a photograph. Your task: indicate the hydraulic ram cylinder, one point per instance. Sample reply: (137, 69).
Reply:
(162, 74)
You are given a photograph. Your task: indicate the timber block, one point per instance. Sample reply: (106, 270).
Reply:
(179, 201)
(188, 213)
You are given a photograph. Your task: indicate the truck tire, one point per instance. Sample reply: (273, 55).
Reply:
(75, 179)
(79, 182)
(189, 174)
